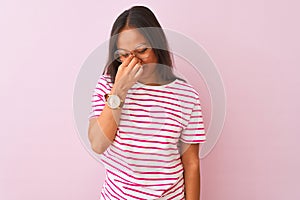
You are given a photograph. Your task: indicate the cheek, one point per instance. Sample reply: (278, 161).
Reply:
(151, 59)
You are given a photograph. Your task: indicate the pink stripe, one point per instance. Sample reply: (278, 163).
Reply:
(194, 129)
(141, 192)
(119, 190)
(113, 190)
(150, 179)
(154, 117)
(143, 185)
(146, 128)
(145, 153)
(182, 89)
(145, 122)
(103, 196)
(143, 147)
(94, 106)
(166, 92)
(139, 159)
(177, 184)
(147, 141)
(177, 194)
(196, 122)
(97, 110)
(145, 134)
(100, 83)
(97, 100)
(125, 179)
(114, 161)
(153, 100)
(192, 141)
(160, 96)
(106, 194)
(197, 116)
(181, 106)
(185, 84)
(96, 95)
(133, 184)
(101, 92)
(138, 172)
(156, 111)
(107, 191)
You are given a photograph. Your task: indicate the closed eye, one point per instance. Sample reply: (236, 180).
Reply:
(125, 55)
(142, 50)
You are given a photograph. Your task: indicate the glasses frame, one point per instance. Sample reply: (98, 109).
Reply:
(135, 52)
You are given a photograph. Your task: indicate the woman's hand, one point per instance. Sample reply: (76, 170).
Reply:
(129, 72)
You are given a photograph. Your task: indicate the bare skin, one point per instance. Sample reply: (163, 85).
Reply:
(191, 165)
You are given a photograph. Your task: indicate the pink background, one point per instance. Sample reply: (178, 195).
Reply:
(254, 44)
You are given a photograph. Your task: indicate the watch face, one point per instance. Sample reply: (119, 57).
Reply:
(113, 101)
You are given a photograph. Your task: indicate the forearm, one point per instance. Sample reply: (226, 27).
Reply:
(110, 118)
(103, 130)
(192, 181)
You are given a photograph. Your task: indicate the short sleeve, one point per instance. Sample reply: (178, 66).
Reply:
(98, 100)
(194, 131)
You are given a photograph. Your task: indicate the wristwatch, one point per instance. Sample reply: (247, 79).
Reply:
(113, 101)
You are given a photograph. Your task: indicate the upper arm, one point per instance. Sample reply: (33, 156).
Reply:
(92, 121)
(189, 153)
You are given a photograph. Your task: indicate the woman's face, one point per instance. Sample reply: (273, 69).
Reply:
(131, 39)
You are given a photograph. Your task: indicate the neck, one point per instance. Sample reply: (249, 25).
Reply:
(153, 79)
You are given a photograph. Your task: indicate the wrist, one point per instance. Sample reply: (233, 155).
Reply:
(119, 90)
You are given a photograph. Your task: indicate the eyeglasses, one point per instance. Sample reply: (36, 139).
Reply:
(142, 52)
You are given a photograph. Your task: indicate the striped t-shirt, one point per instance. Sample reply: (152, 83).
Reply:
(143, 161)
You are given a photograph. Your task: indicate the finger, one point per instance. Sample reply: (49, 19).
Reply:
(139, 73)
(132, 63)
(127, 61)
(136, 68)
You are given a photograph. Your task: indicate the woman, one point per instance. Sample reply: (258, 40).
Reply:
(145, 122)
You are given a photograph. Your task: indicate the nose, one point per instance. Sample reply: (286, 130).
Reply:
(134, 54)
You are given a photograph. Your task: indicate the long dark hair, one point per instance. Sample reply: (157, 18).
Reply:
(143, 19)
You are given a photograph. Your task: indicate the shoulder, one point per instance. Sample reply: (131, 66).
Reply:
(105, 77)
(104, 80)
(187, 88)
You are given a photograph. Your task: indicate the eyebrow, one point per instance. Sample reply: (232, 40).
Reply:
(143, 43)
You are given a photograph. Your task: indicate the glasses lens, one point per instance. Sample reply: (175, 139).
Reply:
(120, 55)
(142, 52)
